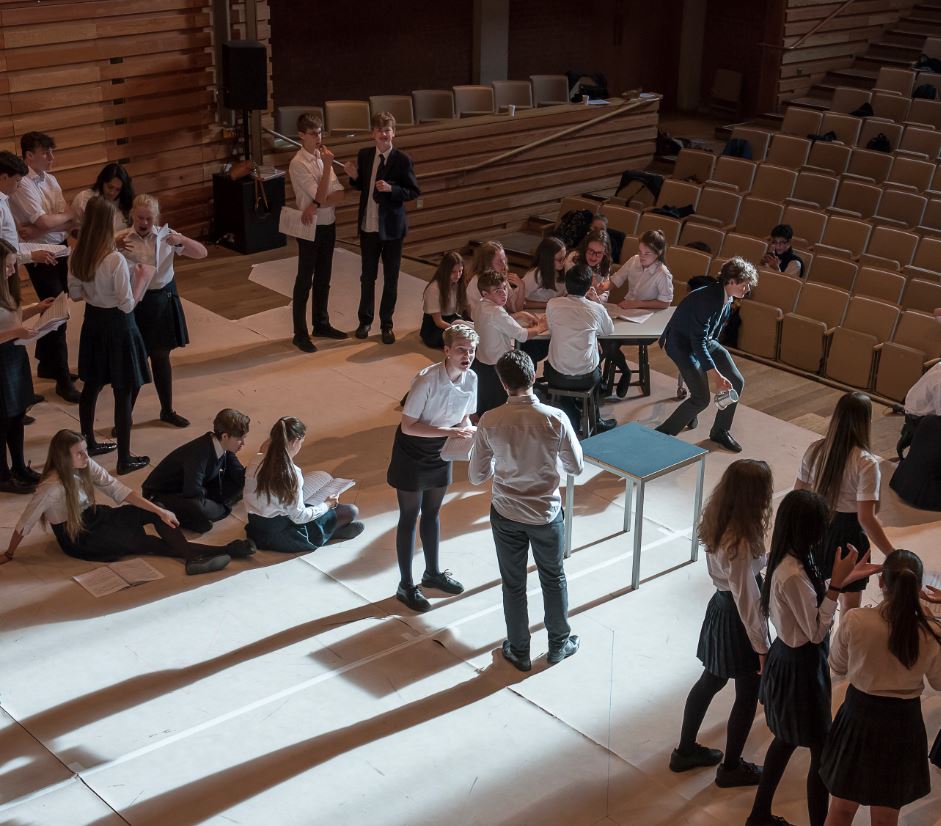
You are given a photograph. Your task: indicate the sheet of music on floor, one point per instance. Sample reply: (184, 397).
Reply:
(53, 317)
(116, 576)
(320, 486)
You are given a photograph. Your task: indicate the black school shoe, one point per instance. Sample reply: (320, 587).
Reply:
(388, 336)
(207, 563)
(304, 344)
(94, 448)
(132, 463)
(724, 438)
(570, 647)
(174, 418)
(442, 581)
(329, 331)
(10, 484)
(413, 597)
(744, 774)
(699, 757)
(27, 475)
(240, 548)
(773, 820)
(519, 663)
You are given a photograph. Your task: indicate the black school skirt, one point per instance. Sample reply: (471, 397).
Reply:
(109, 533)
(724, 647)
(844, 530)
(160, 318)
(416, 463)
(795, 691)
(935, 755)
(16, 383)
(278, 533)
(431, 333)
(111, 349)
(877, 752)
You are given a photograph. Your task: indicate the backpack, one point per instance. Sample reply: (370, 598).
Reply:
(879, 143)
(926, 91)
(863, 111)
(573, 226)
(737, 148)
(826, 136)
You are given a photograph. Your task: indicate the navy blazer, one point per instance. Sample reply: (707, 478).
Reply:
(696, 323)
(399, 173)
(193, 470)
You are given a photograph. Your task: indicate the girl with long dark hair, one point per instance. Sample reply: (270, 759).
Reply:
(545, 279)
(113, 184)
(444, 300)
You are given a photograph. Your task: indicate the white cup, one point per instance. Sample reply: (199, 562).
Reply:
(585, 99)
(511, 109)
(724, 398)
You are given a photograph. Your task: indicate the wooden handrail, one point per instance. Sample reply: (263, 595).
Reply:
(835, 13)
(619, 109)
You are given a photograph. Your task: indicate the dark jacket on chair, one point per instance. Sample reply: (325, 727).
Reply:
(399, 174)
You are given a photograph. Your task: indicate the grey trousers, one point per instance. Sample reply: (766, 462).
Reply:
(699, 395)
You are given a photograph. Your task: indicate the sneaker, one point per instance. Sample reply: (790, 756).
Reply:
(304, 344)
(442, 581)
(771, 820)
(174, 418)
(207, 563)
(348, 531)
(412, 596)
(519, 663)
(240, 548)
(570, 647)
(744, 774)
(699, 757)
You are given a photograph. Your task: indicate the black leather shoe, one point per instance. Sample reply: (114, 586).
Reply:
(43, 373)
(744, 774)
(27, 475)
(362, 331)
(604, 425)
(240, 548)
(724, 438)
(772, 820)
(207, 563)
(27, 419)
(38, 398)
(330, 332)
(693, 423)
(174, 418)
(519, 663)
(304, 344)
(68, 391)
(699, 757)
(388, 337)
(11, 484)
(442, 582)
(99, 448)
(413, 598)
(571, 646)
(624, 384)
(132, 463)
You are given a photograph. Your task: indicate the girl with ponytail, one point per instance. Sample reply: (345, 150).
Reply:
(877, 753)
(278, 518)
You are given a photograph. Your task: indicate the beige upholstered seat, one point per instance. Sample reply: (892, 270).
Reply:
(924, 296)
(801, 122)
(677, 194)
(775, 183)
(845, 237)
(834, 272)
(848, 99)
(790, 151)
(856, 199)
(896, 80)
(828, 158)
(852, 352)
(286, 118)
(808, 224)
(846, 127)
(893, 107)
(814, 190)
(900, 208)
(518, 93)
(870, 166)
(470, 100)
(400, 106)
(927, 261)
(734, 173)
(433, 104)
(686, 263)
(758, 216)
(694, 165)
(347, 116)
(885, 285)
(703, 233)
(751, 249)
(758, 140)
(805, 332)
(889, 248)
(717, 207)
(670, 227)
(621, 218)
(762, 313)
(914, 348)
(550, 90)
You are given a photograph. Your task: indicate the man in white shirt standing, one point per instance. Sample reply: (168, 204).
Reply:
(43, 216)
(520, 446)
(12, 169)
(317, 192)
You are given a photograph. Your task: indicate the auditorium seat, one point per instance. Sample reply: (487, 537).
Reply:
(885, 285)
(685, 263)
(774, 183)
(550, 90)
(925, 111)
(758, 216)
(800, 122)
(930, 79)
(286, 118)
(914, 348)
(891, 106)
(676, 193)
(868, 165)
(808, 258)
(844, 237)
(518, 93)
(808, 225)
(573, 203)
(856, 199)
(927, 261)
(926, 142)
(834, 272)
(470, 100)
(399, 105)
(852, 349)
(680, 291)
(670, 227)
(912, 174)
(433, 105)
(734, 173)
(762, 312)
(848, 99)
(751, 249)
(758, 140)
(717, 207)
(846, 127)
(828, 158)
(622, 219)
(348, 117)
(814, 190)
(805, 332)
(900, 209)
(790, 151)
(924, 296)
(694, 165)
(896, 80)
(931, 220)
(889, 248)
(711, 236)
(874, 127)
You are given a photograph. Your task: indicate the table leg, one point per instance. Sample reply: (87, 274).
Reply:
(697, 508)
(638, 525)
(644, 366)
(628, 498)
(569, 512)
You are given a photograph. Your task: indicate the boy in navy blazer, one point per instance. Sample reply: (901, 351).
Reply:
(691, 340)
(385, 180)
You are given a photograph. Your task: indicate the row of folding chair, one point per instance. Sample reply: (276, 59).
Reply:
(897, 287)
(903, 82)
(888, 105)
(915, 139)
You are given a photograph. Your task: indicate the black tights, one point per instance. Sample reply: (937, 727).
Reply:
(740, 719)
(163, 378)
(776, 760)
(411, 503)
(11, 436)
(123, 407)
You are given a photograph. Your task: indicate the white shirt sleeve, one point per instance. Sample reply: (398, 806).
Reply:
(570, 449)
(509, 326)
(303, 179)
(36, 507)
(867, 480)
(418, 396)
(480, 466)
(747, 596)
(839, 646)
(622, 273)
(605, 323)
(106, 483)
(26, 202)
(806, 472)
(299, 513)
(801, 598)
(665, 285)
(431, 299)
(115, 267)
(79, 202)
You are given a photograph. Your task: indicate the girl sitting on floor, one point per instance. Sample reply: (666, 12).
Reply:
(444, 300)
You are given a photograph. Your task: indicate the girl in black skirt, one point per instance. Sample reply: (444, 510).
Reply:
(159, 314)
(931, 594)
(65, 499)
(733, 642)
(444, 300)
(16, 383)
(111, 350)
(842, 470)
(278, 518)
(795, 680)
(439, 404)
(877, 752)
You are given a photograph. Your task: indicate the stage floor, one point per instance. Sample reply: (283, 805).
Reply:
(297, 690)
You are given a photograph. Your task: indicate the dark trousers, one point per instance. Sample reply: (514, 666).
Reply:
(586, 381)
(490, 391)
(513, 540)
(314, 268)
(194, 514)
(909, 426)
(699, 394)
(372, 249)
(51, 350)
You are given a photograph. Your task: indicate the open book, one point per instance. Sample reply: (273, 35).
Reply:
(58, 250)
(637, 316)
(117, 576)
(456, 449)
(320, 486)
(53, 317)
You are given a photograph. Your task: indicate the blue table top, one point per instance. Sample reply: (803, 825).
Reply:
(639, 452)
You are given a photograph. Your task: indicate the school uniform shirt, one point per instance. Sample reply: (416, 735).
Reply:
(793, 606)
(306, 171)
(535, 291)
(521, 445)
(80, 201)
(859, 650)
(39, 193)
(154, 251)
(431, 300)
(437, 401)
(258, 503)
(371, 216)
(924, 397)
(8, 230)
(653, 283)
(739, 576)
(49, 498)
(860, 481)
(111, 286)
(575, 323)
(10, 319)
(497, 330)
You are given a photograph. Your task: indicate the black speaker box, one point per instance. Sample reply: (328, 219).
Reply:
(240, 220)
(244, 75)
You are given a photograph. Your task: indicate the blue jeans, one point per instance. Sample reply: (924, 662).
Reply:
(513, 540)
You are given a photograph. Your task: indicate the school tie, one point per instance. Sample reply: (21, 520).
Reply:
(379, 173)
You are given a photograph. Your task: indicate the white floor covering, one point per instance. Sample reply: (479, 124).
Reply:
(297, 690)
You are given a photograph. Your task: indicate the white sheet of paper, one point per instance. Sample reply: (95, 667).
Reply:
(320, 485)
(101, 581)
(135, 571)
(637, 316)
(456, 449)
(290, 224)
(50, 319)
(58, 250)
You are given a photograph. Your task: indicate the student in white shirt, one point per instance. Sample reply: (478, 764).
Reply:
(438, 406)
(278, 517)
(498, 331)
(491, 256)
(111, 349)
(12, 170)
(575, 323)
(546, 277)
(795, 687)
(877, 755)
(159, 314)
(842, 470)
(444, 300)
(649, 282)
(923, 399)
(318, 192)
(524, 446)
(733, 642)
(65, 500)
(113, 184)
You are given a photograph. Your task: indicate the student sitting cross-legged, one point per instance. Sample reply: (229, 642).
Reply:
(444, 300)
(278, 518)
(575, 323)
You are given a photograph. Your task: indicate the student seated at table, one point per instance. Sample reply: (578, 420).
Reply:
(491, 256)
(202, 479)
(575, 323)
(649, 282)
(546, 277)
(498, 331)
(780, 256)
(444, 300)
(278, 518)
